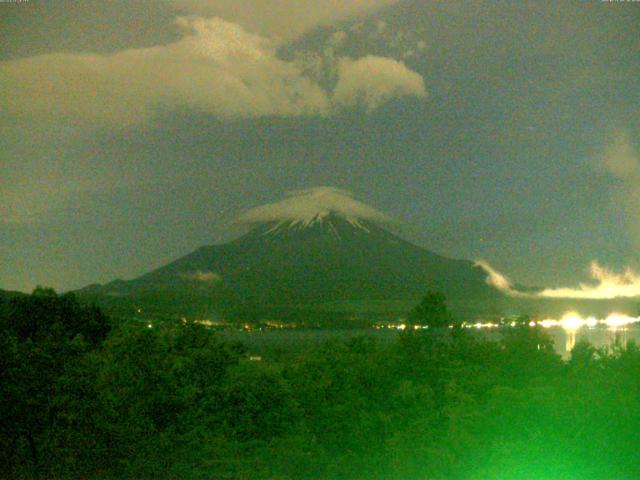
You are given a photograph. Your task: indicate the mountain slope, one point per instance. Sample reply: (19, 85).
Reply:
(327, 254)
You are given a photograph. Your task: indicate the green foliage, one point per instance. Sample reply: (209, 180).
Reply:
(176, 401)
(431, 311)
(42, 337)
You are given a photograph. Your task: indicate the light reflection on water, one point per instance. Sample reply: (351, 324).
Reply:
(616, 328)
(565, 339)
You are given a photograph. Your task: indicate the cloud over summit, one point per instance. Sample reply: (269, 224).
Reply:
(303, 207)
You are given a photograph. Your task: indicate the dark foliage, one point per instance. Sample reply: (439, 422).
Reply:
(431, 311)
(42, 337)
(176, 401)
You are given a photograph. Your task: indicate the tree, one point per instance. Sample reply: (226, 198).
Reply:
(42, 336)
(431, 311)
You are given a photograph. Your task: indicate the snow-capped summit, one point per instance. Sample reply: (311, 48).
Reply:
(303, 208)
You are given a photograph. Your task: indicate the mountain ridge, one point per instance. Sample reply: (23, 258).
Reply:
(284, 264)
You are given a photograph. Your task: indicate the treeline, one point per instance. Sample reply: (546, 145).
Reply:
(82, 397)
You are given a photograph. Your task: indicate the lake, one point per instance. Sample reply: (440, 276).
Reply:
(565, 335)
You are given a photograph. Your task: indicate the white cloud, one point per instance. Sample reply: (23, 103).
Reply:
(371, 81)
(304, 207)
(203, 277)
(216, 67)
(497, 279)
(605, 285)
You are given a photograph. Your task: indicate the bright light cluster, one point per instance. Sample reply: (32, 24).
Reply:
(480, 325)
(570, 321)
(401, 326)
(573, 321)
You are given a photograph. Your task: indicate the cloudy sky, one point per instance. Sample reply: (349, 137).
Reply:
(133, 132)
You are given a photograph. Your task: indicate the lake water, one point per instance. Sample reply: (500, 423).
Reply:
(262, 342)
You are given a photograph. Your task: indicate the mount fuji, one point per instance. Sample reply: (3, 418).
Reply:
(316, 254)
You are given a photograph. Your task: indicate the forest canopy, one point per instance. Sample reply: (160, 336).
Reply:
(85, 396)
